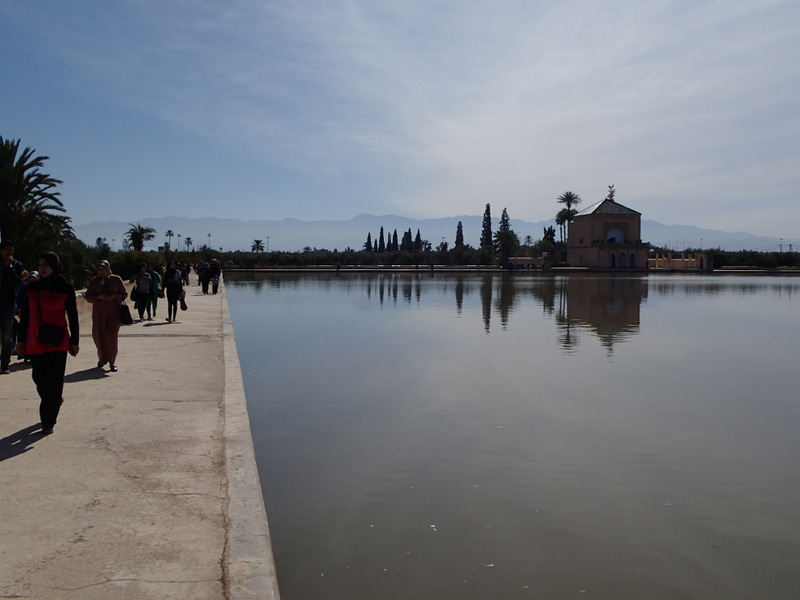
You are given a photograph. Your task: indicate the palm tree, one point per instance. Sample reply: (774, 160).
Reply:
(138, 234)
(169, 235)
(188, 242)
(258, 246)
(27, 196)
(563, 217)
(569, 199)
(566, 214)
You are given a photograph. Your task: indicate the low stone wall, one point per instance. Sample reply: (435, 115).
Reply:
(686, 262)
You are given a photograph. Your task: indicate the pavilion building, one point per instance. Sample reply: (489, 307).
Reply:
(607, 235)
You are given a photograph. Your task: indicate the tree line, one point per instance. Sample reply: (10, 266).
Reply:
(33, 216)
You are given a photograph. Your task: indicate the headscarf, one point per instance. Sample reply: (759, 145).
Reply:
(51, 258)
(107, 266)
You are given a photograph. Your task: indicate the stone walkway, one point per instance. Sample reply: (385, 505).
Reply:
(148, 488)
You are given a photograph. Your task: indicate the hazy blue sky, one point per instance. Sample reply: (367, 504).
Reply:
(324, 109)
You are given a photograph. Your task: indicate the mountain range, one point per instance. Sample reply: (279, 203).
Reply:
(293, 235)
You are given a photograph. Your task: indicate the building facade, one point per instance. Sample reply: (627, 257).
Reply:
(606, 236)
(698, 261)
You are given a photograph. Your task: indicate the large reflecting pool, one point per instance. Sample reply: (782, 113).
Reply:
(548, 437)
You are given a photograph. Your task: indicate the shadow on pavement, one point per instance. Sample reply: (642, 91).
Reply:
(85, 375)
(19, 442)
(19, 366)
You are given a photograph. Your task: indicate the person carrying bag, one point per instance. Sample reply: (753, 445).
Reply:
(44, 336)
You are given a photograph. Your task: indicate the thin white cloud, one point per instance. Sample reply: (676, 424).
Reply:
(443, 106)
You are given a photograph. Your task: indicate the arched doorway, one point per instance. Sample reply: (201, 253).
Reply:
(623, 260)
(632, 261)
(613, 259)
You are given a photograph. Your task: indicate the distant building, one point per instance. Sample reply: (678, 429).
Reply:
(699, 261)
(605, 236)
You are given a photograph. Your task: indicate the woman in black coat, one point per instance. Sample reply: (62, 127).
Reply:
(172, 283)
(44, 337)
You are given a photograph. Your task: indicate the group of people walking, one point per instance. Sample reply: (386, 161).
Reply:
(152, 284)
(48, 328)
(208, 273)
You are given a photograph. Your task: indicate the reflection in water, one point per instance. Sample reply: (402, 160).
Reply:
(442, 437)
(608, 307)
(693, 285)
(604, 306)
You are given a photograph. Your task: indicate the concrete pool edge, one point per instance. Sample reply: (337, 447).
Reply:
(249, 562)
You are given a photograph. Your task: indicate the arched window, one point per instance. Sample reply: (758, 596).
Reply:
(623, 260)
(632, 260)
(613, 258)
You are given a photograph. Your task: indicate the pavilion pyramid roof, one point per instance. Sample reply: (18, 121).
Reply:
(607, 207)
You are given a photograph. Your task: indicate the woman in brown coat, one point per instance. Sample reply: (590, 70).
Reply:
(106, 292)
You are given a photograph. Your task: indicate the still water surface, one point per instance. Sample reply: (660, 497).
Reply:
(480, 436)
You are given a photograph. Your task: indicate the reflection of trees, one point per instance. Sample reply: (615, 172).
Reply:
(689, 287)
(408, 290)
(487, 283)
(605, 305)
(544, 290)
(567, 339)
(505, 300)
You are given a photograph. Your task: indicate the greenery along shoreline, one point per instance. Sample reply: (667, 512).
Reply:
(33, 216)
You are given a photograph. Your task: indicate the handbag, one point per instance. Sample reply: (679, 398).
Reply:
(183, 300)
(125, 314)
(51, 335)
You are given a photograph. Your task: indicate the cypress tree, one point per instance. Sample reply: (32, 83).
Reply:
(381, 243)
(407, 245)
(505, 224)
(368, 243)
(459, 235)
(418, 242)
(486, 231)
(394, 241)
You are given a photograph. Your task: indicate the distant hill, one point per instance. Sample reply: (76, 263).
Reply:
(293, 235)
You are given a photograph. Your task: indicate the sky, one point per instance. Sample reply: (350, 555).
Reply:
(326, 109)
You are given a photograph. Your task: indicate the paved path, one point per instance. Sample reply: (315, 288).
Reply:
(148, 488)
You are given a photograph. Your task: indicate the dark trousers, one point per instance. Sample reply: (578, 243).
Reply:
(48, 375)
(172, 303)
(143, 304)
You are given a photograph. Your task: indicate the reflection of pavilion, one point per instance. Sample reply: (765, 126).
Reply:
(606, 306)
